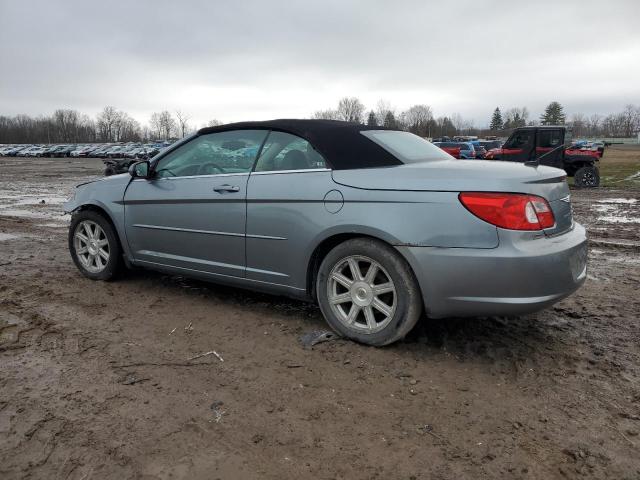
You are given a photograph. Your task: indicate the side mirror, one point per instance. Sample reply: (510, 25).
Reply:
(140, 169)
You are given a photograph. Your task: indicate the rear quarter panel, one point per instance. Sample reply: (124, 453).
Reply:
(287, 221)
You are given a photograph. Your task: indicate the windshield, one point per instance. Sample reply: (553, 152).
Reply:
(406, 147)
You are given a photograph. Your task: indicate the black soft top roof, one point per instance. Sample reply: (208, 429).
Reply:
(340, 143)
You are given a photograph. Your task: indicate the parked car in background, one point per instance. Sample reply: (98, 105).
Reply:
(490, 144)
(32, 151)
(76, 151)
(48, 149)
(462, 150)
(10, 150)
(479, 150)
(88, 150)
(101, 151)
(318, 210)
(452, 148)
(64, 151)
(115, 151)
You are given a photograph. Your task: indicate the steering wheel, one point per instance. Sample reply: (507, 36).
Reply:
(206, 169)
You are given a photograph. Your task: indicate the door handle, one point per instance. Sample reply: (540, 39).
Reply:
(226, 188)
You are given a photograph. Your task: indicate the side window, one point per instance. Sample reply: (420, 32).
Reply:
(522, 139)
(548, 138)
(212, 154)
(283, 151)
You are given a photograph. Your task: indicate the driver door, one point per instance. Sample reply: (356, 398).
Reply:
(191, 215)
(549, 147)
(519, 146)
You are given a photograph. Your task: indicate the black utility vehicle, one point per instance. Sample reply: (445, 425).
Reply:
(550, 145)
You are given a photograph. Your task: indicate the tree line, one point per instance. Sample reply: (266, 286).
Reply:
(623, 124)
(113, 125)
(419, 119)
(110, 125)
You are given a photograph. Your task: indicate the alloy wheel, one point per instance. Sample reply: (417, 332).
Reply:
(91, 246)
(361, 294)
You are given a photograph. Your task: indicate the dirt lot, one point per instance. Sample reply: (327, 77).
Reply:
(96, 379)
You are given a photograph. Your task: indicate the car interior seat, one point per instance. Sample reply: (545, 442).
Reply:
(294, 160)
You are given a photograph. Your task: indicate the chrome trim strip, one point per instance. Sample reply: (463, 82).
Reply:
(187, 230)
(264, 237)
(207, 232)
(306, 170)
(267, 272)
(216, 175)
(181, 258)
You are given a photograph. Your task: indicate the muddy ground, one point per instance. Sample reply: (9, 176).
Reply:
(99, 380)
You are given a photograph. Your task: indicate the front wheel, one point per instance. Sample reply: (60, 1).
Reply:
(94, 246)
(587, 177)
(367, 292)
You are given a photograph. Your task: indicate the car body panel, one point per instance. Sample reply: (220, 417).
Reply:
(183, 222)
(529, 272)
(264, 235)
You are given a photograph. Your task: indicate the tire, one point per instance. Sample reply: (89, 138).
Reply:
(95, 269)
(109, 171)
(587, 177)
(402, 304)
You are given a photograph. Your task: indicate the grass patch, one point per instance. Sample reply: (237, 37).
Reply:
(618, 166)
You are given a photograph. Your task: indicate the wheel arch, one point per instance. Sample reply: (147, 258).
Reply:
(333, 239)
(100, 209)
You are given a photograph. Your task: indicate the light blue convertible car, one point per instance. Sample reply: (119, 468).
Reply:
(375, 225)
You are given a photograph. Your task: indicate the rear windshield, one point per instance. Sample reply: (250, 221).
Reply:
(405, 146)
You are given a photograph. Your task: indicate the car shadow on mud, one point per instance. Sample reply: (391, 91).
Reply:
(490, 339)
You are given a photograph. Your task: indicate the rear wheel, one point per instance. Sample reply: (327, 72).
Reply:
(587, 177)
(109, 171)
(94, 246)
(367, 292)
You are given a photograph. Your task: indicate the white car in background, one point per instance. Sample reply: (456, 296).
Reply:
(33, 151)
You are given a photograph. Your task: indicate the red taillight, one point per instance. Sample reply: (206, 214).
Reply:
(514, 211)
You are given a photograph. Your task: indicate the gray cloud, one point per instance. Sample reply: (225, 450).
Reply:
(255, 59)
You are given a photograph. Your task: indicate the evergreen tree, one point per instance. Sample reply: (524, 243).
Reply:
(496, 120)
(553, 115)
(390, 120)
(372, 121)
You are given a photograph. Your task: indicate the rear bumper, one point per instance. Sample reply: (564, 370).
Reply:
(524, 274)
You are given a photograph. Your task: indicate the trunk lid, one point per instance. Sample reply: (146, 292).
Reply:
(470, 176)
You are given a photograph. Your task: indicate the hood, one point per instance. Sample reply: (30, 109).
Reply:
(112, 178)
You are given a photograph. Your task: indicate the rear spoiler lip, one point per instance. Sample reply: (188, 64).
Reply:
(558, 179)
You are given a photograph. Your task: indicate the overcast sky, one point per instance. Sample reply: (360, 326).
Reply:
(251, 60)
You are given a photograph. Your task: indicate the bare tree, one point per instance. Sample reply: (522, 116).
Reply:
(213, 123)
(594, 124)
(325, 115)
(163, 124)
(155, 123)
(516, 117)
(107, 123)
(578, 123)
(183, 120)
(417, 119)
(382, 110)
(350, 109)
(630, 120)
(128, 129)
(67, 124)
